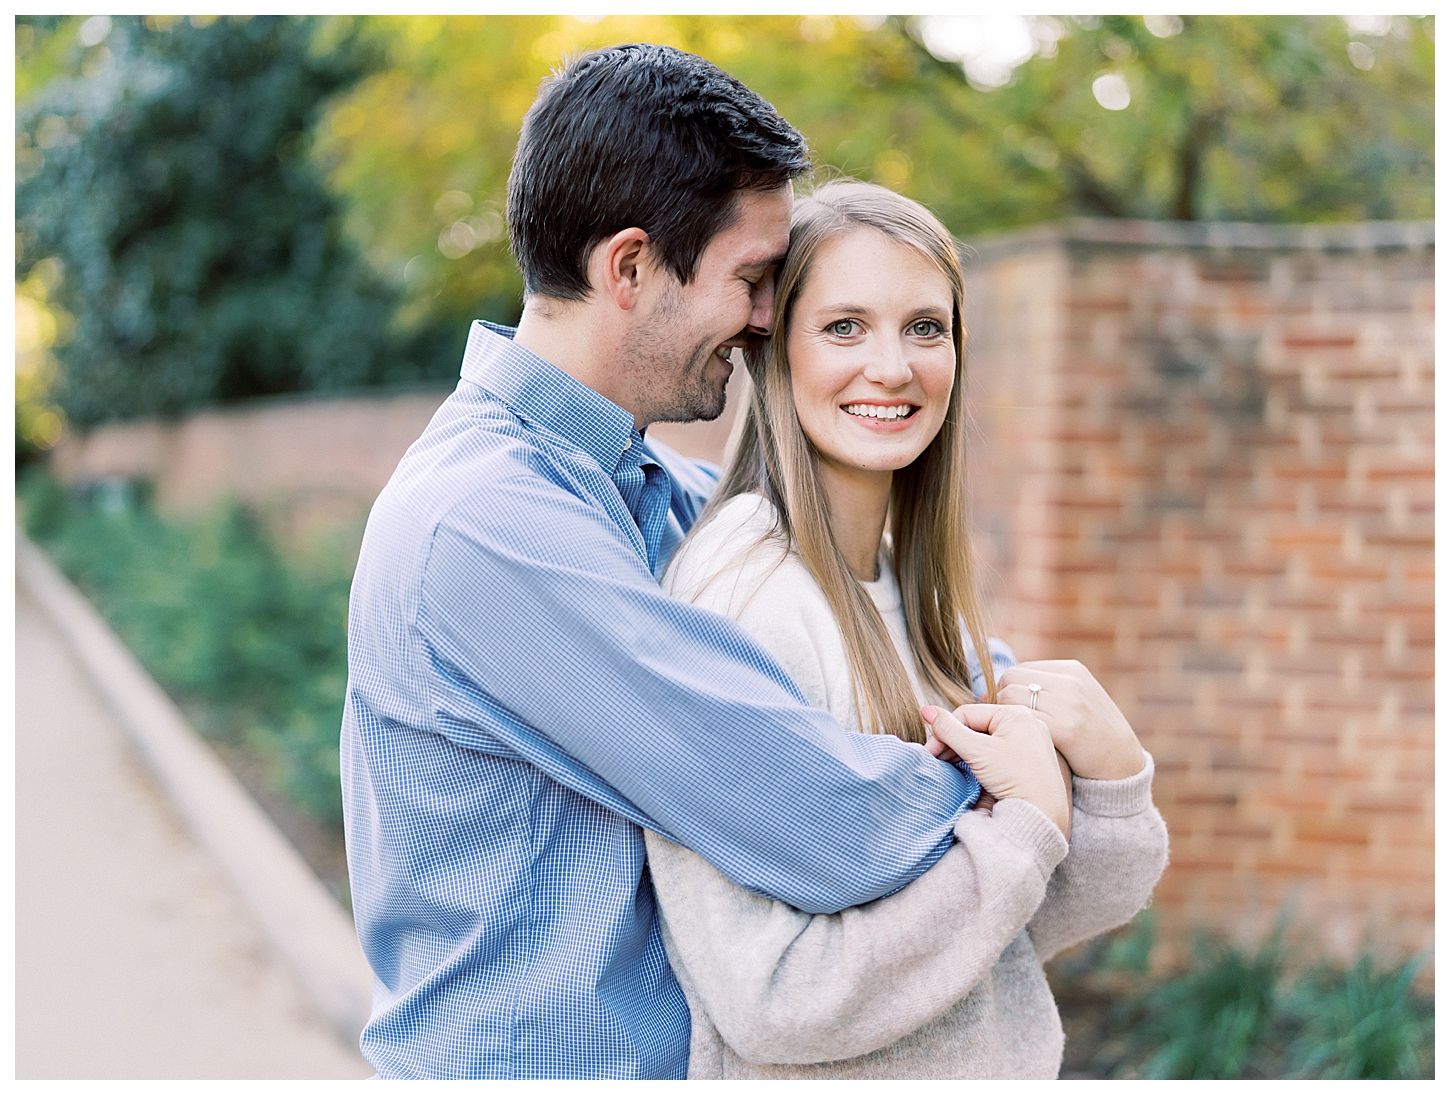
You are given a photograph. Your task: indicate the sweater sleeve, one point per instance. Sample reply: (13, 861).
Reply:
(785, 987)
(1118, 851)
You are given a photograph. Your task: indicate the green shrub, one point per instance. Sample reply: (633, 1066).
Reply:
(1236, 1013)
(252, 642)
(1362, 1023)
(1207, 1022)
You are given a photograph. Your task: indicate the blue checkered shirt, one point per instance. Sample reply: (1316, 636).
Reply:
(522, 698)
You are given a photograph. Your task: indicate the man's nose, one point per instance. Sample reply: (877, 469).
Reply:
(762, 305)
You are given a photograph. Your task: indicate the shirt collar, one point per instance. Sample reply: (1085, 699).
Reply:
(543, 395)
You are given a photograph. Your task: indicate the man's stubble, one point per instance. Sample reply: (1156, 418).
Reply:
(675, 383)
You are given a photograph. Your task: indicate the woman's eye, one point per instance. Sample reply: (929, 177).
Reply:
(925, 328)
(842, 328)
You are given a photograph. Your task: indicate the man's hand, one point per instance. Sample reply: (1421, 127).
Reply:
(1085, 723)
(1010, 752)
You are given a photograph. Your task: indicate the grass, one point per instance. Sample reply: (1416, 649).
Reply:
(1238, 1013)
(252, 643)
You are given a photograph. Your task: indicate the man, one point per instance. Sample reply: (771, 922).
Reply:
(522, 698)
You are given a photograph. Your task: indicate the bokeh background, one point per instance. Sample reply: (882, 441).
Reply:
(1200, 257)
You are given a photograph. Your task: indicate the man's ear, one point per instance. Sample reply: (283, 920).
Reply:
(618, 265)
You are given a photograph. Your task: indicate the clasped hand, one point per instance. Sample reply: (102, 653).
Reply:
(1010, 748)
(1086, 726)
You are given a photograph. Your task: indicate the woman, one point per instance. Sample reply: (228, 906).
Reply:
(856, 422)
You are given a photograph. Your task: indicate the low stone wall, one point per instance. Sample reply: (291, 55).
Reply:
(1204, 468)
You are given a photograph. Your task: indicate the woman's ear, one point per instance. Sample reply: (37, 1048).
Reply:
(617, 267)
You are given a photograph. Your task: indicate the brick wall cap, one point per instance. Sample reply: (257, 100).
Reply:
(1213, 235)
(240, 408)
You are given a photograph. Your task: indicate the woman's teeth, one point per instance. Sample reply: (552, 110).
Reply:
(871, 410)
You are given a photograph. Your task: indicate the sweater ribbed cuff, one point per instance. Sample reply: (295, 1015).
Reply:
(1026, 825)
(1115, 797)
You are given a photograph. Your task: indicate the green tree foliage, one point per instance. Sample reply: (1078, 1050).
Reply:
(1252, 118)
(1264, 118)
(170, 166)
(43, 50)
(196, 243)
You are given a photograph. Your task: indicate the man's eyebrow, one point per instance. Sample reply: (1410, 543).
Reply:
(773, 260)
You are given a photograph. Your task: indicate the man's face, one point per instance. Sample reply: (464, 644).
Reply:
(682, 349)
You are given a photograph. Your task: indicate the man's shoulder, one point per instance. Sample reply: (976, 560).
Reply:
(475, 447)
(466, 458)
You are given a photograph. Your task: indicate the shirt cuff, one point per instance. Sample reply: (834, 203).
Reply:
(1028, 827)
(1115, 797)
(974, 788)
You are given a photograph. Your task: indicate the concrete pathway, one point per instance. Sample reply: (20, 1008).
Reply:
(133, 959)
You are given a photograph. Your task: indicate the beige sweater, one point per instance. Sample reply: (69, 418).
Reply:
(942, 979)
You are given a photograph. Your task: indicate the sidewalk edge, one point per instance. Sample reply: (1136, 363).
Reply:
(302, 920)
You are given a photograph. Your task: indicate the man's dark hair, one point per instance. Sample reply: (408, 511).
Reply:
(638, 136)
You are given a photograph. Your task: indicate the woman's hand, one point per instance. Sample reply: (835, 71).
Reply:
(1010, 752)
(986, 800)
(1085, 723)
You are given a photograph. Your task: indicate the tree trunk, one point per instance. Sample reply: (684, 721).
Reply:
(1201, 131)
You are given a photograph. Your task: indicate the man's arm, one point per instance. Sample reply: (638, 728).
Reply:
(556, 646)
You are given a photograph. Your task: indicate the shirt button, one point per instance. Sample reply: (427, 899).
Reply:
(628, 441)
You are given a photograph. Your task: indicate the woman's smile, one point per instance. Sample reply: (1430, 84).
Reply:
(881, 415)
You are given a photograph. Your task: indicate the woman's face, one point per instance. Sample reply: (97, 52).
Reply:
(871, 355)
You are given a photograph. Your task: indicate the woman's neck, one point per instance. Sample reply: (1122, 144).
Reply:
(858, 501)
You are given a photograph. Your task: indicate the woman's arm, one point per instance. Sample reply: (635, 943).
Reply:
(785, 987)
(1119, 841)
(1119, 849)
(782, 986)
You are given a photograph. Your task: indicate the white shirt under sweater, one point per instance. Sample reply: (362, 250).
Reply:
(941, 979)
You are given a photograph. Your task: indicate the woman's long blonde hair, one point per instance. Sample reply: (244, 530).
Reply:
(928, 516)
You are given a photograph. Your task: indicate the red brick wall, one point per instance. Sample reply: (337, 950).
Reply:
(1206, 471)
